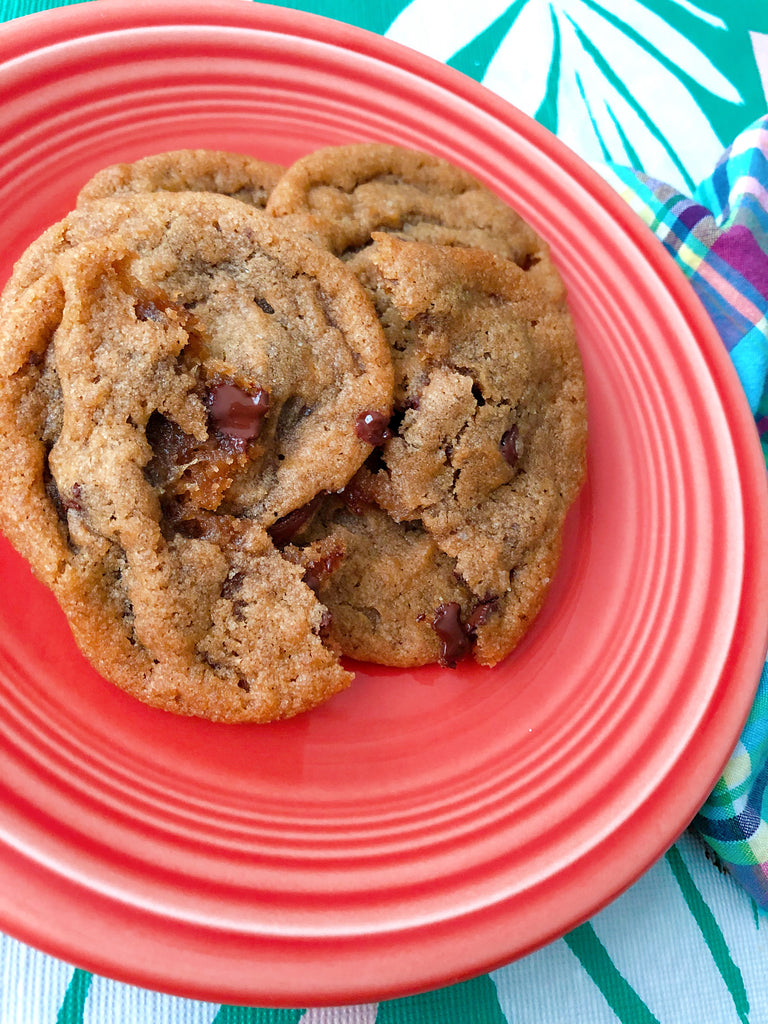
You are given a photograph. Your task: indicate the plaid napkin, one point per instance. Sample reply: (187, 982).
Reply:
(719, 238)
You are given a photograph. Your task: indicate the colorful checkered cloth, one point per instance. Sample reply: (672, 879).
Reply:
(719, 237)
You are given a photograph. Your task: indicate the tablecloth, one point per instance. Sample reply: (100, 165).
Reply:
(665, 98)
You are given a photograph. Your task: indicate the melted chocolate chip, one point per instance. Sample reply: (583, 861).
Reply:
(456, 636)
(224, 531)
(320, 569)
(358, 494)
(195, 529)
(171, 448)
(236, 413)
(452, 633)
(527, 260)
(511, 445)
(284, 530)
(480, 614)
(373, 427)
(191, 476)
(354, 499)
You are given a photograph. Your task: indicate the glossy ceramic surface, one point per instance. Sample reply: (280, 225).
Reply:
(427, 825)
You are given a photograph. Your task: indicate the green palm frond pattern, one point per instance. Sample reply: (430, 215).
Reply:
(662, 86)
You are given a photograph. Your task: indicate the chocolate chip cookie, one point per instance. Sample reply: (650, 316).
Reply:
(341, 195)
(484, 456)
(188, 170)
(253, 418)
(180, 377)
(279, 308)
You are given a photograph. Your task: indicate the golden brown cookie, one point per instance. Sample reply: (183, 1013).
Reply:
(339, 196)
(167, 392)
(189, 387)
(384, 591)
(486, 455)
(187, 170)
(488, 439)
(283, 311)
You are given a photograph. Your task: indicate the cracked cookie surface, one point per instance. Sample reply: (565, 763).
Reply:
(486, 455)
(187, 170)
(489, 432)
(252, 418)
(287, 314)
(168, 393)
(339, 196)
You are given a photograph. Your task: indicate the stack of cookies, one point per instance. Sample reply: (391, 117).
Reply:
(253, 419)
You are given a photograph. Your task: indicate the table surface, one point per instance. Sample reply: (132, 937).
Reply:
(685, 943)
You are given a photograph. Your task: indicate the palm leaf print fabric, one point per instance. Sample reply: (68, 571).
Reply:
(652, 94)
(662, 87)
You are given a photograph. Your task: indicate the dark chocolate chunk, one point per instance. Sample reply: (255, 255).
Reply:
(373, 427)
(231, 585)
(225, 531)
(171, 447)
(511, 445)
(453, 635)
(284, 530)
(319, 569)
(480, 614)
(236, 413)
(358, 493)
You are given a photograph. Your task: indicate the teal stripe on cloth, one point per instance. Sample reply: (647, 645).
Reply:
(618, 993)
(250, 1015)
(475, 1002)
(474, 58)
(374, 15)
(18, 8)
(71, 1010)
(712, 934)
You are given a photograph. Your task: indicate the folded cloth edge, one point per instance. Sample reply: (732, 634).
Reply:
(718, 236)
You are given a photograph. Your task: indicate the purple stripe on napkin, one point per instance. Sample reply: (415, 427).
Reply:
(738, 247)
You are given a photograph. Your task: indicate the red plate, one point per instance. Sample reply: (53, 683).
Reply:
(423, 826)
